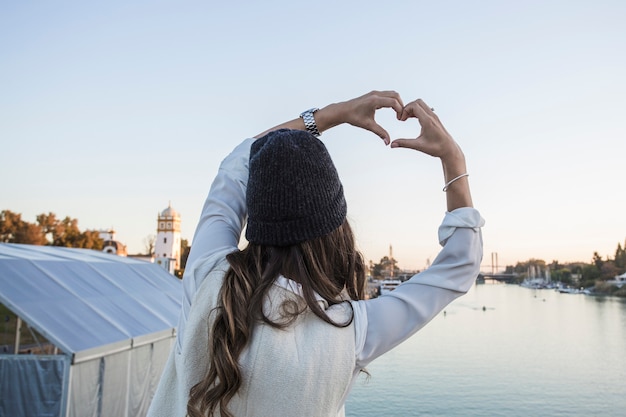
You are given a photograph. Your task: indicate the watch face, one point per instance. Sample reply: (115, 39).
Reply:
(308, 112)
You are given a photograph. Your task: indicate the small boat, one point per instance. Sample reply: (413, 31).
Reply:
(565, 290)
(534, 283)
(388, 285)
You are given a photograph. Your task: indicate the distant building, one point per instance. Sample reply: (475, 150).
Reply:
(619, 281)
(168, 239)
(111, 245)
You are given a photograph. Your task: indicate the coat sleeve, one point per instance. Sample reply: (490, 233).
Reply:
(384, 322)
(219, 229)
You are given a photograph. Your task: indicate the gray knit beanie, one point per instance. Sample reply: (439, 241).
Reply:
(294, 193)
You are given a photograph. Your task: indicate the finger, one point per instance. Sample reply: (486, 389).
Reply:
(378, 130)
(389, 99)
(422, 111)
(389, 93)
(431, 113)
(396, 96)
(391, 102)
(429, 110)
(408, 111)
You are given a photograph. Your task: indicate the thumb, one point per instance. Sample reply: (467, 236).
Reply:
(404, 143)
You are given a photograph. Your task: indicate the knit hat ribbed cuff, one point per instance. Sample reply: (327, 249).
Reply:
(291, 231)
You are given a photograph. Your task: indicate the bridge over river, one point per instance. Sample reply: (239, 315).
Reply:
(508, 278)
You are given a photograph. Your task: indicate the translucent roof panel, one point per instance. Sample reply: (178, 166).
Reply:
(80, 299)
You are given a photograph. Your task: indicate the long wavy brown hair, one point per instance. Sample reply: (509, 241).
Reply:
(330, 266)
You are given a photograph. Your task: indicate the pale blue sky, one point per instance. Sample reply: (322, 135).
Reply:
(109, 111)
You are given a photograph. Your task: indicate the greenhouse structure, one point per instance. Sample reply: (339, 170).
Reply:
(84, 333)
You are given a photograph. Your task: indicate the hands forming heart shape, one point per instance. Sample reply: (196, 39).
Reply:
(433, 139)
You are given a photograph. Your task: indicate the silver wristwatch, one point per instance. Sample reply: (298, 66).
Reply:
(309, 121)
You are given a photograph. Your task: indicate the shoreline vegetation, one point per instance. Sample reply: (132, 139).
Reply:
(602, 277)
(598, 276)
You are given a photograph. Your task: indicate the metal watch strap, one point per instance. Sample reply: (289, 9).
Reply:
(309, 121)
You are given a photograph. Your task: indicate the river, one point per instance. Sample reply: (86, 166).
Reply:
(504, 350)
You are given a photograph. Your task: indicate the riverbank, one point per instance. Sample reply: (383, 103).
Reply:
(604, 288)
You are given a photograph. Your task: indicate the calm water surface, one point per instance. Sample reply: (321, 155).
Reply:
(528, 353)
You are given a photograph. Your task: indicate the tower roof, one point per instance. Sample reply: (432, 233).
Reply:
(169, 212)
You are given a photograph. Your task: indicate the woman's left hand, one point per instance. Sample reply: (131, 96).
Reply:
(360, 111)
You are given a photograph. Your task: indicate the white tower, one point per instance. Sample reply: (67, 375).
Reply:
(167, 244)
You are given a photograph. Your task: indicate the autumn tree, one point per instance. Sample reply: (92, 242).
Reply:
(9, 223)
(14, 230)
(30, 233)
(48, 223)
(67, 234)
(48, 230)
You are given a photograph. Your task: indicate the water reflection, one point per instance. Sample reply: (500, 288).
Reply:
(509, 351)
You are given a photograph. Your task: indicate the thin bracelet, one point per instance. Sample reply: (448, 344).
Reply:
(445, 187)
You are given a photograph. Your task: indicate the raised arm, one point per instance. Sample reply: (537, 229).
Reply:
(392, 318)
(358, 112)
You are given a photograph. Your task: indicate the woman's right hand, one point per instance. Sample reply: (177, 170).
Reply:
(435, 140)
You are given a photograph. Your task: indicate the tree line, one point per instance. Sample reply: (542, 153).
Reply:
(48, 229)
(580, 273)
